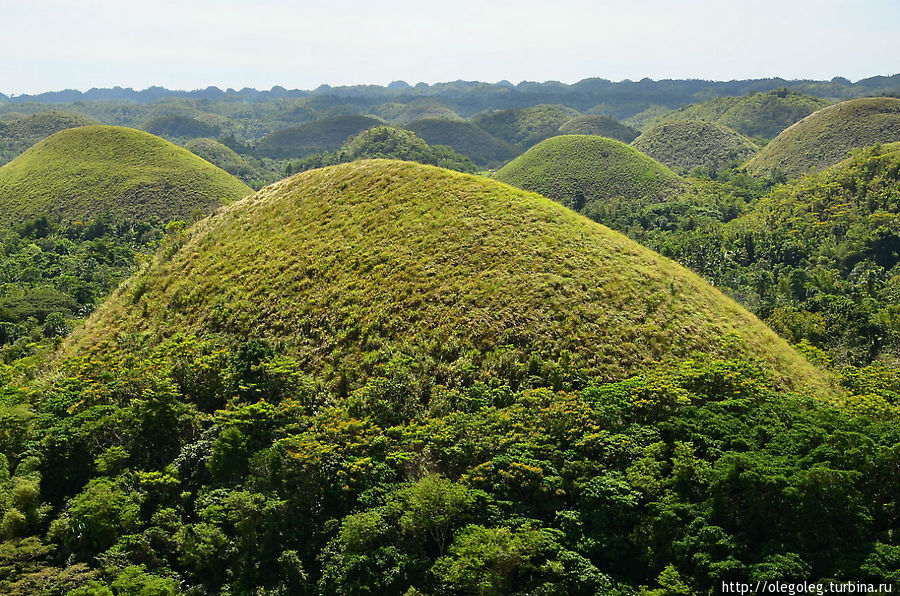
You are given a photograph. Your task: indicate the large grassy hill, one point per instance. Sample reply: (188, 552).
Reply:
(824, 138)
(593, 175)
(687, 144)
(525, 127)
(466, 138)
(313, 137)
(80, 173)
(760, 116)
(348, 266)
(19, 134)
(596, 124)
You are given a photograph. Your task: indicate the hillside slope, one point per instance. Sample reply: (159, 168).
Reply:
(685, 145)
(348, 265)
(596, 124)
(80, 173)
(824, 138)
(466, 138)
(313, 137)
(19, 134)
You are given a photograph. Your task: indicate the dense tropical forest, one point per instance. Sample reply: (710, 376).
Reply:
(635, 338)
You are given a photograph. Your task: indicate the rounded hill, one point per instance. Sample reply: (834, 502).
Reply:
(80, 173)
(220, 155)
(313, 137)
(597, 124)
(348, 266)
(180, 127)
(21, 133)
(824, 138)
(523, 127)
(465, 138)
(591, 174)
(687, 144)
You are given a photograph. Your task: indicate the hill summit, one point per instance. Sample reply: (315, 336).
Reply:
(79, 173)
(347, 266)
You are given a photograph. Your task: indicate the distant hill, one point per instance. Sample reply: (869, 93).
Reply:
(759, 116)
(591, 175)
(604, 126)
(404, 113)
(180, 127)
(466, 138)
(525, 126)
(345, 266)
(220, 155)
(312, 137)
(687, 144)
(80, 173)
(825, 137)
(19, 134)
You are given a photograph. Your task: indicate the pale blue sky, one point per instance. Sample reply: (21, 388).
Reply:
(55, 44)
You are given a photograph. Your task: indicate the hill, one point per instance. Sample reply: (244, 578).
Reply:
(688, 144)
(596, 124)
(404, 113)
(524, 127)
(350, 264)
(312, 137)
(593, 175)
(466, 138)
(760, 116)
(221, 156)
(19, 134)
(180, 127)
(80, 173)
(824, 138)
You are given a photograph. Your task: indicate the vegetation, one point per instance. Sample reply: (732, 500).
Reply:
(760, 116)
(593, 175)
(826, 137)
(525, 127)
(465, 138)
(79, 173)
(386, 142)
(180, 127)
(687, 145)
(604, 126)
(313, 137)
(19, 134)
(222, 156)
(403, 113)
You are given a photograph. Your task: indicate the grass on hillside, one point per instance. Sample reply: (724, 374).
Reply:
(525, 127)
(590, 173)
(80, 173)
(19, 134)
(180, 127)
(313, 137)
(466, 138)
(347, 266)
(687, 145)
(825, 138)
(221, 156)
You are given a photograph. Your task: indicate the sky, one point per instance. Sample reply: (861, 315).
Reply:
(49, 45)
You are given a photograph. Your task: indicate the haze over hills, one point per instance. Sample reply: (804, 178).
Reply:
(80, 173)
(685, 145)
(592, 175)
(825, 137)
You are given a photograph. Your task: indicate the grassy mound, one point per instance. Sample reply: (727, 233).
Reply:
(524, 127)
(220, 155)
(404, 113)
(80, 173)
(180, 127)
(313, 137)
(760, 116)
(347, 266)
(824, 138)
(19, 134)
(596, 124)
(689, 144)
(466, 138)
(591, 174)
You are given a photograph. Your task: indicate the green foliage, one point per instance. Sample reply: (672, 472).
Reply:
(221, 156)
(827, 136)
(525, 127)
(127, 174)
(687, 145)
(604, 126)
(313, 137)
(179, 127)
(21, 133)
(465, 138)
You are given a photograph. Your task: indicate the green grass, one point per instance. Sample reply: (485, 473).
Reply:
(586, 172)
(313, 137)
(760, 116)
(686, 145)
(79, 173)
(21, 133)
(824, 138)
(604, 126)
(525, 127)
(344, 266)
(466, 138)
